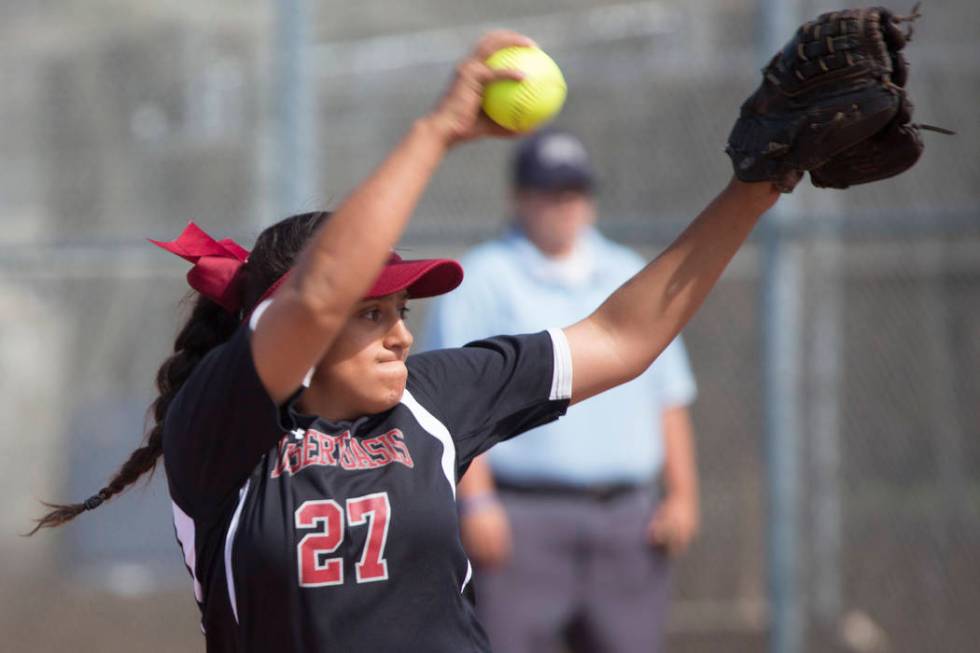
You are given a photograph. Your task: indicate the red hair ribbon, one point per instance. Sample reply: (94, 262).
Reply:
(216, 265)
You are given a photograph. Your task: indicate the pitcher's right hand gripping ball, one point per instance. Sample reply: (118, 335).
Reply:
(527, 104)
(832, 102)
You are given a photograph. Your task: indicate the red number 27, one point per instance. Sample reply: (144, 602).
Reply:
(326, 515)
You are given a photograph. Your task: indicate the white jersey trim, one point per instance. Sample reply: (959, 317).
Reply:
(561, 378)
(229, 545)
(185, 538)
(439, 431)
(257, 313)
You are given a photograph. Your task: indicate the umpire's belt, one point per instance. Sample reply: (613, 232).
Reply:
(599, 492)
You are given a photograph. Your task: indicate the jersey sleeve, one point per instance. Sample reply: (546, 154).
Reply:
(491, 390)
(218, 427)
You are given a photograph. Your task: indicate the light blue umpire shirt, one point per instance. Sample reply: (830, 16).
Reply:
(510, 287)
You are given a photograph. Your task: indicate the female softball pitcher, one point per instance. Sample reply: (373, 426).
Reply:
(312, 462)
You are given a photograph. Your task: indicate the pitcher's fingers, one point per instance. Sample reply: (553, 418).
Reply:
(498, 39)
(481, 74)
(507, 73)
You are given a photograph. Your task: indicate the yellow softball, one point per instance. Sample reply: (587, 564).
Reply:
(522, 106)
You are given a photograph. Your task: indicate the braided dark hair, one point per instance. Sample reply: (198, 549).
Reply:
(208, 326)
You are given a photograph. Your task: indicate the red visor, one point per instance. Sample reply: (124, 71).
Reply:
(421, 277)
(425, 277)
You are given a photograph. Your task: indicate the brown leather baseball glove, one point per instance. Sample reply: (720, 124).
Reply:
(832, 102)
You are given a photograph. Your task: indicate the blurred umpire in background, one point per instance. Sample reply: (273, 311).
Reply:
(572, 526)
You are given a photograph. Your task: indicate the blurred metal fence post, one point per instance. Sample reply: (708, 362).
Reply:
(824, 424)
(294, 108)
(823, 428)
(781, 306)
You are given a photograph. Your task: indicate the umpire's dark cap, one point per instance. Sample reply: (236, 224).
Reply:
(553, 160)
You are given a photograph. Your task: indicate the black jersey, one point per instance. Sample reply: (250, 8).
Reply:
(307, 535)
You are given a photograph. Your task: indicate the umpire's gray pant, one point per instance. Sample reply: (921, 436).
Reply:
(576, 559)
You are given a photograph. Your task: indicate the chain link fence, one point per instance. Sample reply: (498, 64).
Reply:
(121, 121)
